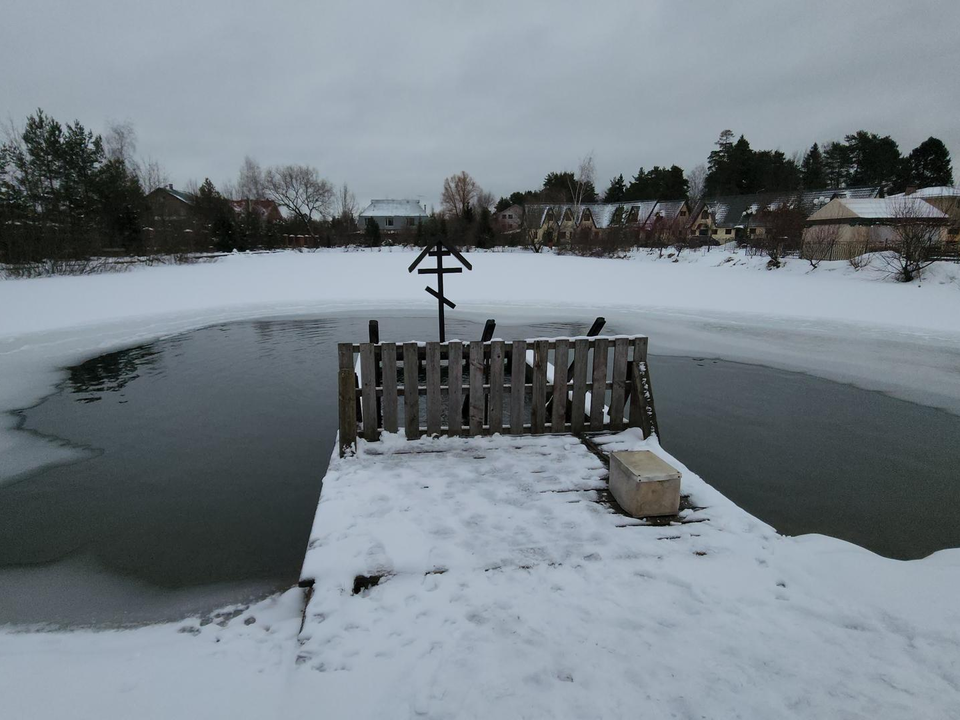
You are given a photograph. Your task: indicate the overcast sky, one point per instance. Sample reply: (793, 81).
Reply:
(392, 97)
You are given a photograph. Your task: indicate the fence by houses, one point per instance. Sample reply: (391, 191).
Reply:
(559, 385)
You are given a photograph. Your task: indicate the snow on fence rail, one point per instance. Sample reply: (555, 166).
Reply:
(550, 395)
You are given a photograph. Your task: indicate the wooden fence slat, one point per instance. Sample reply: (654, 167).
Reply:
(455, 390)
(476, 388)
(347, 397)
(561, 360)
(368, 389)
(538, 402)
(433, 388)
(580, 349)
(411, 391)
(495, 413)
(388, 354)
(639, 416)
(621, 347)
(598, 391)
(518, 378)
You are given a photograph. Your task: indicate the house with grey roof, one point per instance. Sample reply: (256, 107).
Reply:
(394, 215)
(848, 227)
(165, 204)
(745, 217)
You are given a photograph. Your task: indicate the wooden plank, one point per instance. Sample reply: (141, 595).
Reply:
(646, 385)
(580, 349)
(638, 401)
(455, 391)
(388, 353)
(411, 391)
(598, 390)
(538, 402)
(518, 378)
(476, 387)
(495, 419)
(347, 396)
(621, 347)
(433, 388)
(561, 359)
(368, 388)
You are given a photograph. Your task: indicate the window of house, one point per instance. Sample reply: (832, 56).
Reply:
(753, 231)
(389, 222)
(509, 216)
(683, 213)
(728, 231)
(704, 215)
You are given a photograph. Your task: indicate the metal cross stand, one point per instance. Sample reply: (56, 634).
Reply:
(440, 250)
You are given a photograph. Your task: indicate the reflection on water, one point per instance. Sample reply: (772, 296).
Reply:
(212, 446)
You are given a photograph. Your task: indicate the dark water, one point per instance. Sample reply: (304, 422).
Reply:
(205, 454)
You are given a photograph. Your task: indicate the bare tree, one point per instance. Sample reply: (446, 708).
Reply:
(917, 236)
(697, 184)
(820, 243)
(120, 143)
(300, 190)
(459, 193)
(484, 200)
(151, 175)
(582, 181)
(251, 184)
(345, 203)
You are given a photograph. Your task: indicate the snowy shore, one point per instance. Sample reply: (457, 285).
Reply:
(886, 631)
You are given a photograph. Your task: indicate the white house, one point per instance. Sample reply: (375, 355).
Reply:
(394, 215)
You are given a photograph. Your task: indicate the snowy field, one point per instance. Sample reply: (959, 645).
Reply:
(848, 634)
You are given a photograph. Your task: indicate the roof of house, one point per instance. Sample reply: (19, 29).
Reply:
(742, 210)
(178, 194)
(933, 192)
(889, 208)
(394, 208)
(261, 207)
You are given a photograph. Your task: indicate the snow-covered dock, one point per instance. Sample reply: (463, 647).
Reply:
(485, 577)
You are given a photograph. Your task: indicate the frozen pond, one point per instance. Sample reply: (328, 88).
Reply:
(204, 455)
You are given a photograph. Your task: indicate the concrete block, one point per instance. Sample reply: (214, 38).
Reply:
(643, 484)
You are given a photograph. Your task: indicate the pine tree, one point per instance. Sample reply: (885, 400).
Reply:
(874, 160)
(930, 164)
(371, 232)
(812, 172)
(836, 164)
(615, 192)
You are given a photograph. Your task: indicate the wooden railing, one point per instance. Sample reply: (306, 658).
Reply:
(475, 388)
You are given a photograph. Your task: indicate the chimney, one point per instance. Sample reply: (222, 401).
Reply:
(170, 186)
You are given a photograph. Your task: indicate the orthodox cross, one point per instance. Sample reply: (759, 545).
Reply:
(440, 250)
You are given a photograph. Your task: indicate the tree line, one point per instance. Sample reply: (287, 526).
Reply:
(862, 158)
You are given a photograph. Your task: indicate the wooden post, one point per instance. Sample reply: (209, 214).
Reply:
(561, 358)
(518, 379)
(388, 353)
(455, 388)
(433, 388)
(347, 398)
(617, 394)
(643, 413)
(368, 390)
(495, 420)
(411, 391)
(538, 402)
(476, 387)
(598, 389)
(581, 347)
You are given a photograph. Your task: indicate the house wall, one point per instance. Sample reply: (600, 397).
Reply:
(166, 207)
(394, 223)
